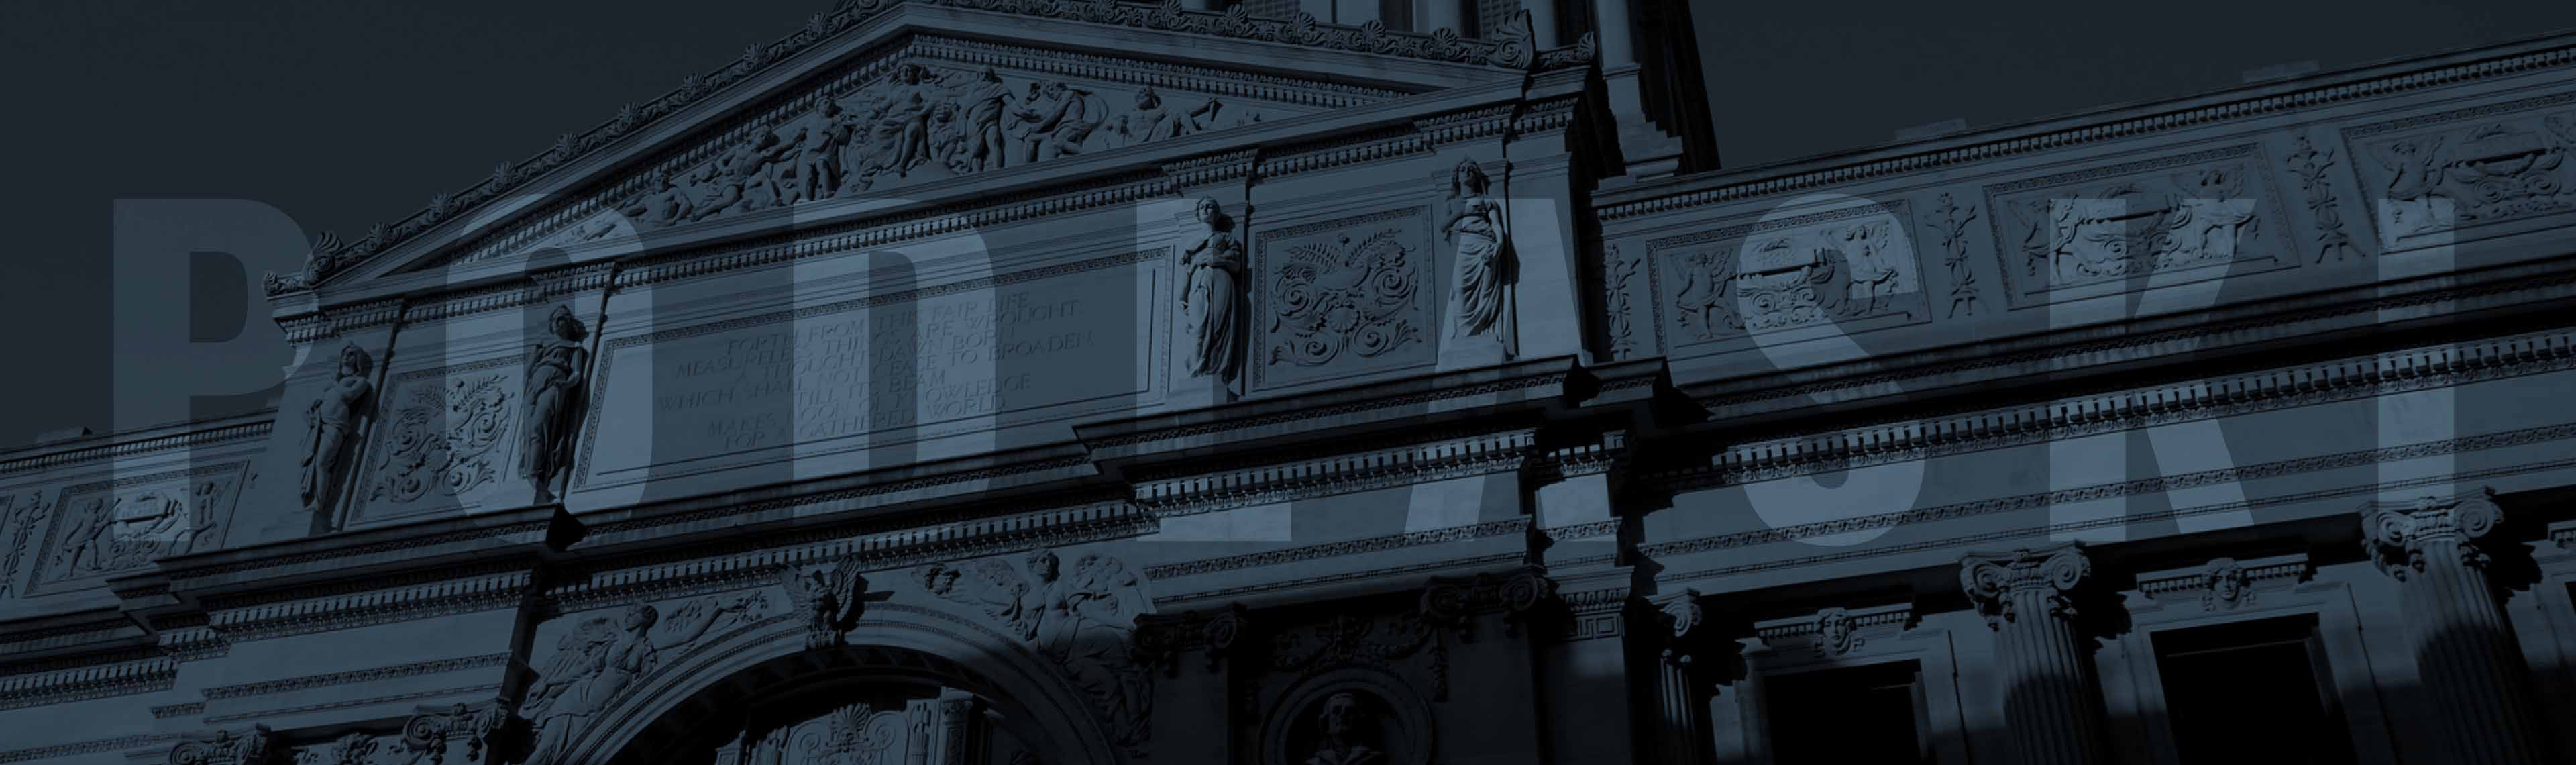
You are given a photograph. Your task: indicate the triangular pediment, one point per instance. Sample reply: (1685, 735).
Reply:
(878, 97)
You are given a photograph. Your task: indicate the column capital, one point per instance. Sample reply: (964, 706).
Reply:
(1681, 616)
(2397, 533)
(1993, 579)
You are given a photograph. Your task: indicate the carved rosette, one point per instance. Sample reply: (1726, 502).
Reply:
(2004, 585)
(1162, 638)
(1451, 601)
(2399, 536)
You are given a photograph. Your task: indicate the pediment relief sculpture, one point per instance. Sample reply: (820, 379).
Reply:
(1082, 620)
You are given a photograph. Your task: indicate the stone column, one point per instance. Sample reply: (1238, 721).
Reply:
(2475, 680)
(1543, 23)
(1617, 36)
(1444, 14)
(1679, 739)
(2051, 701)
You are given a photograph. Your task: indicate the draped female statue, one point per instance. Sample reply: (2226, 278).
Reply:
(555, 383)
(1211, 267)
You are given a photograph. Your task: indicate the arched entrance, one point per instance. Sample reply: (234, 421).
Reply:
(911, 686)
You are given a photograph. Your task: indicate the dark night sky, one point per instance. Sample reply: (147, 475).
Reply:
(343, 114)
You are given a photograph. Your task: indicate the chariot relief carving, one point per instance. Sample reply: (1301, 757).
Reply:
(1343, 297)
(1853, 265)
(2466, 175)
(110, 528)
(1082, 620)
(444, 438)
(2202, 212)
(601, 657)
(330, 421)
(917, 123)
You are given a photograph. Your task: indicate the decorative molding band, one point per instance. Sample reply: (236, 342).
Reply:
(341, 320)
(1265, 85)
(1483, 454)
(67, 636)
(145, 675)
(1590, 530)
(167, 711)
(1383, 573)
(2225, 583)
(341, 605)
(85, 747)
(529, 528)
(262, 714)
(1484, 530)
(683, 572)
(1835, 630)
(835, 501)
(1491, 387)
(193, 439)
(413, 669)
(1208, 169)
(2134, 487)
(2145, 124)
(194, 642)
(2063, 530)
(1457, 127)
(1341, 151)
(2220, 397)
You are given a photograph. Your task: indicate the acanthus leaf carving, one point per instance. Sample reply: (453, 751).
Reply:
(2308, 164)
(1335, 303)
(445, 439)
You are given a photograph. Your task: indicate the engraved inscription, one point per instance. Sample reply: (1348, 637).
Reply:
(869, 365)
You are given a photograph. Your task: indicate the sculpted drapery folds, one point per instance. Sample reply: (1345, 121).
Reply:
(1213, 265)
(600, 658)
(1084, 622)
(329, 419)
(1476, 225)
(557, 376)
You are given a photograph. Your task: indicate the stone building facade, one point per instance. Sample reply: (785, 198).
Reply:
(987, 381)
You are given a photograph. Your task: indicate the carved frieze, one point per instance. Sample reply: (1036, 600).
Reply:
(19, 516)
(1854, 268)
(1082, 620)
(2204, 215)
(1402, 642)
(115, 526)
(1342, 298)
(447, 439)
(1517, 595)
(2430, 176)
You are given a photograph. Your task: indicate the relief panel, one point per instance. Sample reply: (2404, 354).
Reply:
(1064, 340)
(115, 526)
(1853, 268)
(2428, 177)
(1080, 616)
(2205, 215)
(444, 437)
(1343, 298)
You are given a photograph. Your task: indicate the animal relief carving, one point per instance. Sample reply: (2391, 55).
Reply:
(2202, 213)
(1082, 621)
(2483, 173)
(444, 439)
(121, 529)
(1801, 272)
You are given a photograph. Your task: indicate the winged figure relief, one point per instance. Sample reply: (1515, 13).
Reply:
(2414, 184)
(1083, 620)
(832, 596)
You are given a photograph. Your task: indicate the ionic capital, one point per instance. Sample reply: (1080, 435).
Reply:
(2396, 534)
(1996, 580)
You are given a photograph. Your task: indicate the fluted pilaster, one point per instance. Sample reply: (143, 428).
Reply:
(2475, 680)
(1679, 739)
(2051, 702)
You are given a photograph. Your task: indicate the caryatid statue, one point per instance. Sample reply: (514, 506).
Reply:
(1344, 725)
(329, 421)
(557, 375)
(1477, 226)
(1210, 269)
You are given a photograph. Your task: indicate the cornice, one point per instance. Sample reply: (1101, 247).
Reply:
(1379, 575)
(85, 747)
(350, 603)
(1510, 50)
(1226, 489)
(1382, 543)
(1922, 437)
(1540, 384)
(412, 669)
(2105, 125)
(143, 673)
(139, 443)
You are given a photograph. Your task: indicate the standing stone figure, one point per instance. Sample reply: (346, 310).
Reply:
(1476, 225)
(1211, 267)
(1343, 724)
(330, 418)
(555, 384)
(987, 100)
